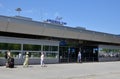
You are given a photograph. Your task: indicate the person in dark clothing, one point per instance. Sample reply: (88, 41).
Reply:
(5, 55)
(6, 59)
(9, 60)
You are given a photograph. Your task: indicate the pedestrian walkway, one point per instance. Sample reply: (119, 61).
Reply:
(98, 70)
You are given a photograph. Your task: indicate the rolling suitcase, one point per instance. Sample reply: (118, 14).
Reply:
(11, 63)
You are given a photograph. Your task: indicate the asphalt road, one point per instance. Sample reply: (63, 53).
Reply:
(96, 70)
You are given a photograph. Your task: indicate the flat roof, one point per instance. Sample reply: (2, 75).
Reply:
(18, 25)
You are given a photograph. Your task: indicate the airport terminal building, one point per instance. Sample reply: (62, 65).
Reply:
(59, 43)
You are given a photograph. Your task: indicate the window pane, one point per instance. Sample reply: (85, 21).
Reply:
(51, 55)
(10, 46)
(46, 48)
(33, 54)
(50, 48)
(2, 54)
(16, 54)
(54, 48)
(32, 47)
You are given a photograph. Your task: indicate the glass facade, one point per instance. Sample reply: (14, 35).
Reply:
(34, 50)
(14, 48)
(109, 53)
(106, 52)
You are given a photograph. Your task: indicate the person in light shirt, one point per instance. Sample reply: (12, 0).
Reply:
(79, 57)
(26, 62)
(42, 60)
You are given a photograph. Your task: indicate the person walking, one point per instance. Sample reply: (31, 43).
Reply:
(79, 57)
(42, 60)
(26, 62)
(9, 60)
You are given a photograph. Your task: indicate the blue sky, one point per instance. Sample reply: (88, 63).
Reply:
(97, 15)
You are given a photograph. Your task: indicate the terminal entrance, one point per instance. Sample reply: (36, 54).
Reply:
(89, 53)
(69, 54)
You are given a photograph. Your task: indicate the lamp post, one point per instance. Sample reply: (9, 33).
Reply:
(18, 10)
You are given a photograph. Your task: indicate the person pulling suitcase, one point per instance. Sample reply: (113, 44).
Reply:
(10, 60)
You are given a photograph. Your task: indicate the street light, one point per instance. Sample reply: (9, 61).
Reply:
(18, 10)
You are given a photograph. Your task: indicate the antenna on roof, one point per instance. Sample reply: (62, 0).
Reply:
(18, 10)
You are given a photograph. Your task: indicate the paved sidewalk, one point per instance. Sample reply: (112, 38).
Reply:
(98, 70)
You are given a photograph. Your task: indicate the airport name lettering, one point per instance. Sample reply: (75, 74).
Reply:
(56, 22)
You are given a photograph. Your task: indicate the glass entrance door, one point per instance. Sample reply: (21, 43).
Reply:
(68, 54)
(63, 54)
(89, 53)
